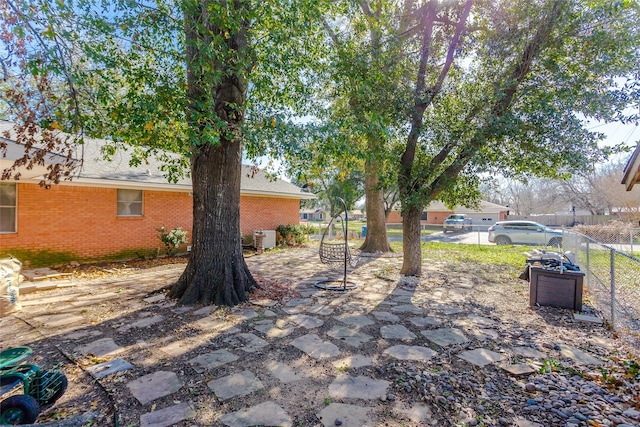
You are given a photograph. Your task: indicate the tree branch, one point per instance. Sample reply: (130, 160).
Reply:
(504, 100)
(455, 40)
(332, 34)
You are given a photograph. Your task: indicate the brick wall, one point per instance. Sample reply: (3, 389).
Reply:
(83, 221)
(266, 213)
(437, 217)
(394, 218)
(432, 217)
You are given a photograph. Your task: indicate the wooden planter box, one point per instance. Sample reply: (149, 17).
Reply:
(552, 288)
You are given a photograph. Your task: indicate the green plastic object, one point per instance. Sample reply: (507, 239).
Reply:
(13, 355)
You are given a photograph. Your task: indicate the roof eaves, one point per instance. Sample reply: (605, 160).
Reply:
(266, 193)
(632, 170)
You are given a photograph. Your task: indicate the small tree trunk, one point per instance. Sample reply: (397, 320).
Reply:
(412, 261)
(376, 239)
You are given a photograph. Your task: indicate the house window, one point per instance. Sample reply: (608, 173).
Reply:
(8, 207)
(129, 202)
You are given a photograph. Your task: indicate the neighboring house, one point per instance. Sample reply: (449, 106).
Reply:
(112, 209)
(487, 214)
(356, 215)
(632, 170)
(314, 215)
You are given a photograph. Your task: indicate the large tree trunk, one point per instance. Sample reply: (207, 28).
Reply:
(216, 272)
(376, 239)
(412, 261)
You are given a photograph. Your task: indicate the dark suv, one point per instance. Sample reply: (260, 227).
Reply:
(524, 232)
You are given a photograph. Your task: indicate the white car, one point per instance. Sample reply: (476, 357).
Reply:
(524, 232)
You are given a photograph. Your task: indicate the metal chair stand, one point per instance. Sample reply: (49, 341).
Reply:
(337, 254)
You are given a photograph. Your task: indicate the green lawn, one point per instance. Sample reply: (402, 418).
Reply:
(483, 254)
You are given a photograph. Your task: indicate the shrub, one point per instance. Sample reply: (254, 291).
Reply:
(172, 239)
(293, 234)
(612, 232)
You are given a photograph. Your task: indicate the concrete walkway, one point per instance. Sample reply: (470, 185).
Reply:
(248, 357)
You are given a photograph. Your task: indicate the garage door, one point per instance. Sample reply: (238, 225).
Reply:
(483, 218)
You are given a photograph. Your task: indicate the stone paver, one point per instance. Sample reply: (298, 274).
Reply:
(587, 318)
(142, 323)
(168, 416)
(153, 386)
(521, 422)
(296, 302)
(321, 310)
(57, 320)
(480, 356)
(205, 311)
(349, 336)
(313, 345)
(264, 414)
(486, 334)
(247, 342)
(357, 320)
(407, 308)
(154, 299)
(449, 310)
(385, 316)
(410, 352)
(419, 413)
(519, 369)
(579, 356)
(182, 310)
(235, 385)
(529, 352)
(271, 331)
(264, 302)
(212, 360)
(101, 347)
(111, 367)
(307, 322)
(397, 332)
(242, 314)
(82, 334)
(179, 348)
(210, 323)
(347, 415)
(424, 321)
(361, 387)
(354, 362)
(283, 372)
(445, 336)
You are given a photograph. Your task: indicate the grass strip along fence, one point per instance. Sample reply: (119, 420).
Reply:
(613, 280)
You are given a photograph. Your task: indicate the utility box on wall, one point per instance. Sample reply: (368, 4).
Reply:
(268, 238)
(555, 288)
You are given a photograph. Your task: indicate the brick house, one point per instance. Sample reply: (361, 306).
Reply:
(314, 215)
(487, 213)
(112, 210)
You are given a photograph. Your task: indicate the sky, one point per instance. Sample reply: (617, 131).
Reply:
(615, 133)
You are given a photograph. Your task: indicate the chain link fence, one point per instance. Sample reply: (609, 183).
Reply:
(612, 274)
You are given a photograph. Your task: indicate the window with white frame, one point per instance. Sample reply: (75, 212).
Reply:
(8, 207)
(129, 202)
